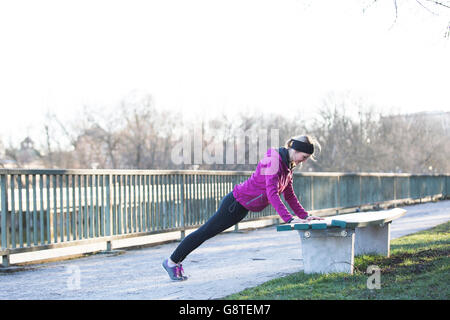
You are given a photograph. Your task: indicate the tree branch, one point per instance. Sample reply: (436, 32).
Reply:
(439, 3)
(364, 9)
(426, 8)
(396, 14)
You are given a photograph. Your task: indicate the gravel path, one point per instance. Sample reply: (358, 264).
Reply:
(225, 264)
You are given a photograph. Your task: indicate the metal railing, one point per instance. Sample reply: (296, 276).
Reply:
(42, 209)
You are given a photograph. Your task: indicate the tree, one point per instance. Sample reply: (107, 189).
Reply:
(433, 7)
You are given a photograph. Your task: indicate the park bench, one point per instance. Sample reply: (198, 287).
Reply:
(330, 245)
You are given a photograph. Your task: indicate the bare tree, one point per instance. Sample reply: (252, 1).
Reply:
(138, 134)
(2, 154)
(433, 7)
(355, 137)
(418, 143)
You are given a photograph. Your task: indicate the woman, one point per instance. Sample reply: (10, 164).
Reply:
(273, 175)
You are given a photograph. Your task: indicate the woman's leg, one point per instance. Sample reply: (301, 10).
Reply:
(229, 213)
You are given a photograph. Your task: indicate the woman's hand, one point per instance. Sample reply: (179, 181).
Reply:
(309, 218)
(298, 220)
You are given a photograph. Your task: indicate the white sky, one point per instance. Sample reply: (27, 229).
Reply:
(199, 56)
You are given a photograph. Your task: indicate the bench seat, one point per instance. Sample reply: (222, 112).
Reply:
(364, 219)
(330, 245)
(352, 220)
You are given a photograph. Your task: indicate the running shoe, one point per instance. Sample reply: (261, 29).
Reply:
(175, 273)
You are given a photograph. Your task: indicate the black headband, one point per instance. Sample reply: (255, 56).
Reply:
(302, 146)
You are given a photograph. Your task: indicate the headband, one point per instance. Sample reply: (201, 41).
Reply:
(302, 146)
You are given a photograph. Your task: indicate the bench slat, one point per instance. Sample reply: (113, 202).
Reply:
(353, 220)
(285, 227)
(301, 226)
(365, 219)
(319, 225)
(316, 225)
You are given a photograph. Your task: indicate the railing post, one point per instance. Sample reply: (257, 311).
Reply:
(395, 188)
(108, 205)
(4, 217)
(360, 191)
(446, 185)
(233, 183)
(5, 260)
(338, 202)
(183, 206)
(109, 246)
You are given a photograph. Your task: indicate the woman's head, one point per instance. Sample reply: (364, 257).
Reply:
(302, 148)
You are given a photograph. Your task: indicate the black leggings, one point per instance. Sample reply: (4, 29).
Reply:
(229, 213)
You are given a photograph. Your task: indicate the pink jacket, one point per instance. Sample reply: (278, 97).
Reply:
(271, 178)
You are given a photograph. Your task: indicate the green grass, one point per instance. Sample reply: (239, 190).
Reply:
(418, 268)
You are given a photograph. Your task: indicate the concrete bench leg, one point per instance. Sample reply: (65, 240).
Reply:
(326, 251)
(373, 240)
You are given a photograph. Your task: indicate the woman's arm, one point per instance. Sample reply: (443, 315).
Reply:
(274, 197)
(293, 202)
(295, 205)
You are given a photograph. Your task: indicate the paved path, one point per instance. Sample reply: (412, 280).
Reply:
(225, 264)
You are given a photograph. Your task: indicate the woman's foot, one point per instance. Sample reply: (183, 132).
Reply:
(176, 272)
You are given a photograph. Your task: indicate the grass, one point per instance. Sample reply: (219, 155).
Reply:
(418, 268)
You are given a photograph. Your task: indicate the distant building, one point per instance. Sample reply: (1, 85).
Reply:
(25, 157)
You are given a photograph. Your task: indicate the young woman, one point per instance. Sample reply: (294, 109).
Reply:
(273, 176)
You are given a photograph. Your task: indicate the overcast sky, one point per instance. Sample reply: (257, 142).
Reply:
(199, 56)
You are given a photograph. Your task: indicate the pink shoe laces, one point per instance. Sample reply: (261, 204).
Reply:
(179, 270)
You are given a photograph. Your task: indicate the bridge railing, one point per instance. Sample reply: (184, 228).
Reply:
(43, 209)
